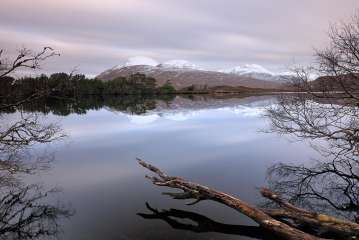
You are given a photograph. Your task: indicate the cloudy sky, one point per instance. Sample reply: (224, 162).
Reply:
(94, 35)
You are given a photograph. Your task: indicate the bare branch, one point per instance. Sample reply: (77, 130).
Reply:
(26, 59)
(197, 191)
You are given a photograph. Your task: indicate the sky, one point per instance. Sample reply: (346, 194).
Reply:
(94, 35)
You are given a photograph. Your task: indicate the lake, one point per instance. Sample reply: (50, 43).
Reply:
(219, 142)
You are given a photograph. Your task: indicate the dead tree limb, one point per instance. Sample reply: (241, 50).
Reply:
(325, 222)
(199, 192)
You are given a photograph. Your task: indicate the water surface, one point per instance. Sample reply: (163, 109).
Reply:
(216, 142)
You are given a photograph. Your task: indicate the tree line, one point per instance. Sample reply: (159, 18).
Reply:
(69, 85)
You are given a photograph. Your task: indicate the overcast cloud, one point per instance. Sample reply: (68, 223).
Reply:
(95, 35)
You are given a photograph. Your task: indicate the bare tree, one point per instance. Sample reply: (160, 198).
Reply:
(337, 65)
(25, 59)
(24, 213)
(328, 117)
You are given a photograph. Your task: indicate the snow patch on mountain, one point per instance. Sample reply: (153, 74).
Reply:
(248, 69)
(151, 63)
(259, 72)
(138, 60)
(182, 64)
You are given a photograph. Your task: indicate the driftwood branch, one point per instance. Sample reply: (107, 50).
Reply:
(286, 222)
(327, 223)
(199, 192)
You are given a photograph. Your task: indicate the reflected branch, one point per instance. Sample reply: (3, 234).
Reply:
(28, 131)
(24, 213)
(16, 141)
(203, 224)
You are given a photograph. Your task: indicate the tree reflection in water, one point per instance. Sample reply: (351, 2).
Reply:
(24, 211)
(26, 215)
(66, 106)
(330, 184)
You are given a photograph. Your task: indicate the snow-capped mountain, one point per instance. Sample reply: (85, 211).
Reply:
(258, 72)
(182, 74)
(146, 62)
(248, 69)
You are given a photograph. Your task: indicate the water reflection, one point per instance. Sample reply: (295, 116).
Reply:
(66, 106)
(24, 211)
(24, 215)
(214, 141)
(330, 184)
(135, 105)
(201, 224)
(105, 185)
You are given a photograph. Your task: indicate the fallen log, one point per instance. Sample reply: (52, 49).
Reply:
(200, 192)
(327, 223)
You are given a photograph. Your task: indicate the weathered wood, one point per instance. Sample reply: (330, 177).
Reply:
(325, 222)
(199, 192)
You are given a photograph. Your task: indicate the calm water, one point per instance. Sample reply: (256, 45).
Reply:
(216, 142)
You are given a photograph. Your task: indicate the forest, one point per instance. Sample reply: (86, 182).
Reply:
(77, 85)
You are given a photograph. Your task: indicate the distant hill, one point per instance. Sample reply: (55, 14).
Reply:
(339, 83)
(183, 74)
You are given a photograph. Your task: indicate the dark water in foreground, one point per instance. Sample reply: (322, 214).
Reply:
(216, 142)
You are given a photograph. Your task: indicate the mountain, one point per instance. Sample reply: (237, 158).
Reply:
(183, 74)
(258, 72)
